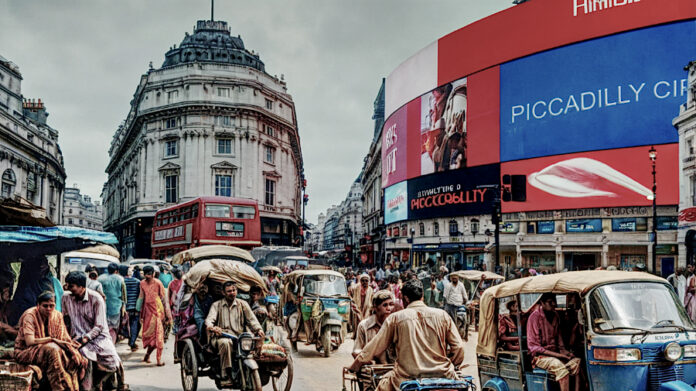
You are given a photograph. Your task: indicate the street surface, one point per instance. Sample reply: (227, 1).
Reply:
(312, 370)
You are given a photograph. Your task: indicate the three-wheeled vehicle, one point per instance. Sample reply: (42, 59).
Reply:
(316, 307)
(273, 300)
(98, 256)
(630, 331)
(475, 282)
(370, 375)
(252, 367)
(189, 257)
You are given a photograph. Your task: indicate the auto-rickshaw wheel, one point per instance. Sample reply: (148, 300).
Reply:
(283, 381)
(189, 367)
(326, 342)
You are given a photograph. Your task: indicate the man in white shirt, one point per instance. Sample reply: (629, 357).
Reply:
(678, 281)
(455, 296)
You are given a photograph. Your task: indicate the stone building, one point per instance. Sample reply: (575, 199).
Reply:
(372, 243)
(80, 211)
(210, 121)
(686, 126)
(31, 162)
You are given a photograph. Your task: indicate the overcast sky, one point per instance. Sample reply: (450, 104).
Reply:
(84, 58)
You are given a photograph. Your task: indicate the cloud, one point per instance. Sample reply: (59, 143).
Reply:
(84, 58)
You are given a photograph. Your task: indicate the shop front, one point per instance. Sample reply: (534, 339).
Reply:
(454, 256)
(539, 260)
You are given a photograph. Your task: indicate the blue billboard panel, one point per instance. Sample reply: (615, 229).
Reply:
(454, 193)
(396, 202)
(611, 92)
(629, 224)
(546, 227)
(584, 225)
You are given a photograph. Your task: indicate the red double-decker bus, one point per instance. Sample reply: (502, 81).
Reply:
(206, 220)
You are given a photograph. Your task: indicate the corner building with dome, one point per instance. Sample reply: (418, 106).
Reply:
(209, 122)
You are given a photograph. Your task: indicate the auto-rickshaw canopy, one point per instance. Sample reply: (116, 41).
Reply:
(476, 275)
(272, 269)
(300, 273)
(222, 270)
(212, 251)
(568, 282)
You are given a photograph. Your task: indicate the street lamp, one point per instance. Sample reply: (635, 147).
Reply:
(652, 153)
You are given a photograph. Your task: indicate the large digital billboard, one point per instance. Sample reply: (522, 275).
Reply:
(611, 92)
(573, 103)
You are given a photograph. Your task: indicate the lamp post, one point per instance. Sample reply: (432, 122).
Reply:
(652, 153)
(410, 250)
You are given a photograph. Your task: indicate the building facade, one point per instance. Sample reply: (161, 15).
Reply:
(31, 162)
(80, 211)
(210, 121)
(372, 242)
(686, 126)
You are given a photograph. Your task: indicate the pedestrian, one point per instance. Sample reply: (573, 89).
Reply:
(678, 282)
(433, 297)
(132, 293)
(136, 273)
(115, 292)
(165, 276)
(153, 312)
(88, 326)
(690, 299)
(455, 296)
(93, 282)
(174, 287)
(380, 274)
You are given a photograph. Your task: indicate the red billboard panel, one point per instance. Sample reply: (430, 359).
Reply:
(608, 178)
(483, 118)
(394, 148)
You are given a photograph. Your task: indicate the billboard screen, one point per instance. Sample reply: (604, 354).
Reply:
(619, 177)
(396, 203)
(455, 193)
(612, 92)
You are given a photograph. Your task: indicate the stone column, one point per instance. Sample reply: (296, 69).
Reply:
(605, 255)
(560, 263)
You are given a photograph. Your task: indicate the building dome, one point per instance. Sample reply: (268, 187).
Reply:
(211, 41)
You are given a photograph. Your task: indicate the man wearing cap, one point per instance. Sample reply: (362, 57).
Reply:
(362, 300)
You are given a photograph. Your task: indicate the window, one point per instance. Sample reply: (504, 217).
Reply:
(270, 192)
(403, 230)
(171, 148)
(170, 123)
(217, 211)
(453, 228)
(436, 229)
(224, 92)
(270, 155)
(172, 95)
(243, 212)
(8, 183)
(269, 130)
(421, 229)
(31, 186)
(223, 185)
(223, 120)
(30, 137)
(171, 193)
(474, 225)
(690, 146)
(70, 221)
(224, 146)
(70, 211)
(693, 190)
(269, 104)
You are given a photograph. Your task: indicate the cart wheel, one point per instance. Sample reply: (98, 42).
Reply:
(326, 342)
(283, 381)
(189, 367)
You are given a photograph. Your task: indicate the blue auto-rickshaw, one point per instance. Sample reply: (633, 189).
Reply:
(635, 333)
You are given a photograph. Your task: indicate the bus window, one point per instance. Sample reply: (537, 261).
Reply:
(217, 211)
(243, 212)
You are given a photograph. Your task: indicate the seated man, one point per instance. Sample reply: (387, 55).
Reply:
(507, 327)
(7, 332)
(233, 316)
(427, 342)
(44, 341)
(546, 345)
(383, 305)
(202, 302)
(87, 313)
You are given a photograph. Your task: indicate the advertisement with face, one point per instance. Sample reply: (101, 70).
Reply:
(443, 128)
(456, 193)
(395, 203)
(612, 178)
(612, 92)
(394, 148)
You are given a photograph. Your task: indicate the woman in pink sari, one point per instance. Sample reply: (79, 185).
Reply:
(154, 311)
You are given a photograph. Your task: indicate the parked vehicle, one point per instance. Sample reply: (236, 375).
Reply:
(98, 256)
(370, 375)
(198, 358)
(142, 262)
(197, 254)
(634, 332)
(317, 300)
(204, 221)
(475, 282)
(274, 255)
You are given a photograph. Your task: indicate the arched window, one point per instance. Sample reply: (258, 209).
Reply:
(453, 228)
(8, 183)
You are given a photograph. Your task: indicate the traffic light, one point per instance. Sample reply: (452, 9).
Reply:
(305, 199)
(514, 188)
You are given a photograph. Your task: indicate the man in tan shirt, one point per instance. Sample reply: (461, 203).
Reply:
(361, 297)
(383, 305)
(233, 316)
(423, 337)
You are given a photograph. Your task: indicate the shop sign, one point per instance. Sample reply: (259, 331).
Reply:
(509, 227)
(666, 249)
(546, 227)
(667, 223)
(584, 225)
(630, 224)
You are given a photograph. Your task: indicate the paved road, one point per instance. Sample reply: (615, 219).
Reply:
(312, 370)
